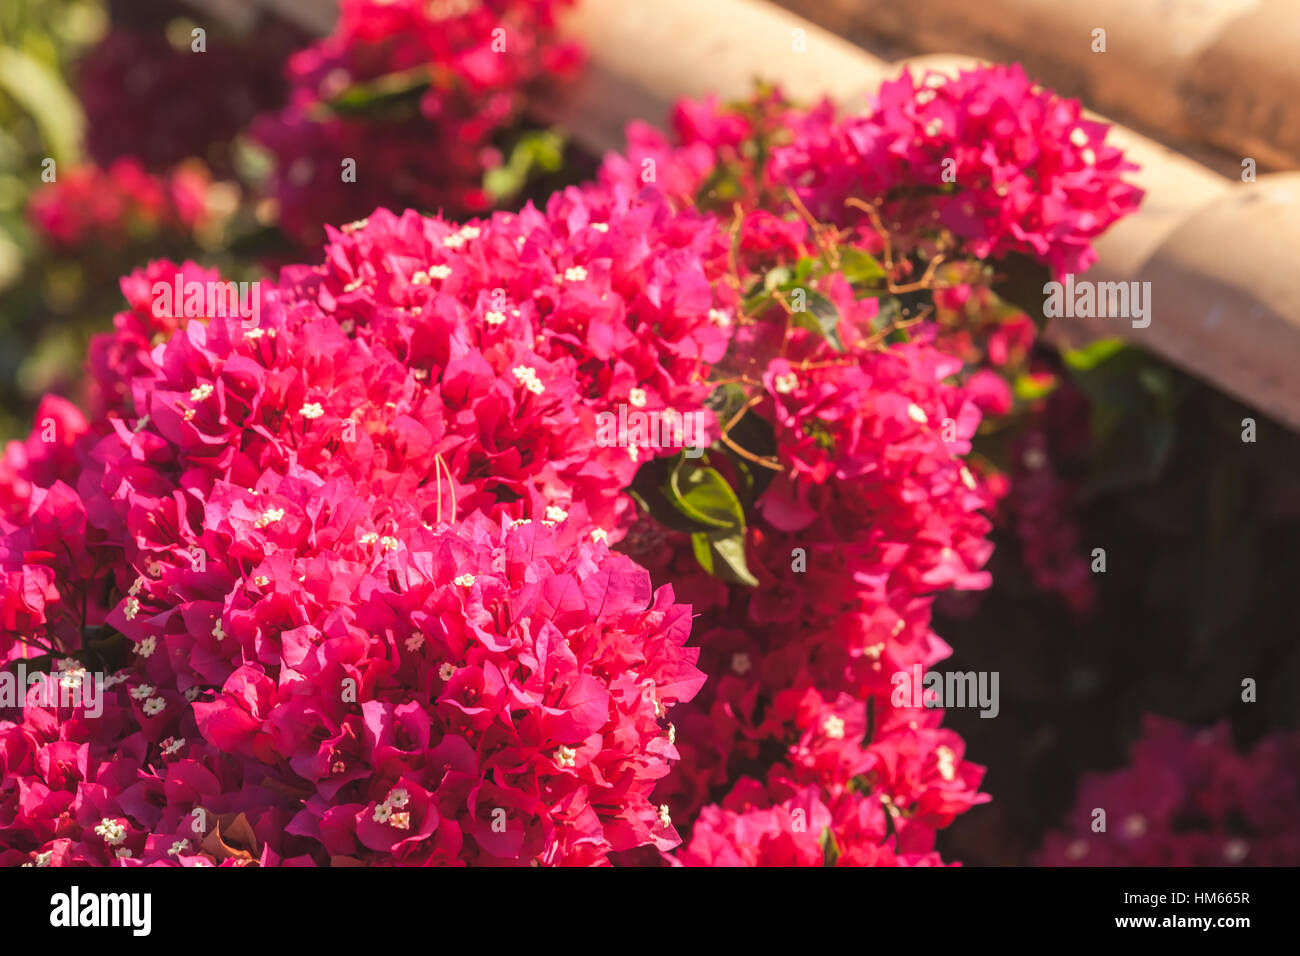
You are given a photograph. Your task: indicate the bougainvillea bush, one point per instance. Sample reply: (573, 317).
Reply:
(594, 532)
(418, 565)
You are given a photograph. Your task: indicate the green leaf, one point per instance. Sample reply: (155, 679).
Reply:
(1029, 388)
(821, 317)
(703, 495)
(647, 489)
(860, 268)
(40, 91)
(394, 93)
(830, 849)
(722, 555)
(535, 152)
(1093, 354)
(776, 278)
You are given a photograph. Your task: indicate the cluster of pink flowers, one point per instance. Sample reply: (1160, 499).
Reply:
(1000, 163)
(265, 515)
(977, 167)
(1189, 797)
(359, 551)
(412, 92)
(119, 205)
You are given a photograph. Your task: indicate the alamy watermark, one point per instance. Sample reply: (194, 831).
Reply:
(1083, 299)
(71, 687)
(917, 688)
(76, 909)
(668, 428)
(193, 300)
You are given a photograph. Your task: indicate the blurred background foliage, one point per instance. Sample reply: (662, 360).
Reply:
(40, 117)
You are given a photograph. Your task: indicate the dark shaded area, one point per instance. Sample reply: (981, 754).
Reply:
(1198, 594)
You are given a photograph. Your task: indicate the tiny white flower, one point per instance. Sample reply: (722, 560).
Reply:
(420, 278)
(720, 318)
(494, 317)
(43, 859)
(1078, 137)
(1089, 157)
(787, 383)
(917, 414)
(370, 537)
(446, 671)
(834, 727)
(193, 694)
(254, 334)
(311, 410)
(415, 642)
(389, 543)
(218, 631)
(600, 226)
(471, 232)
(179, 847)
(382, 813)
(664, 816)
(565, 756)
(637, 397)
(555, 513)
(123, 853)
(112, 831)
(269, 516)
(465, 580)
(154, 706)
(599, 535)
(143, 692)
(967, 478)
(200, 393)
(454, 241)
(947, 763)
(172, 745)
(132, 608)
(399, 797)
(439, 272)
(575, 274)
(740, 662)
(933, 127)
(400, 819)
